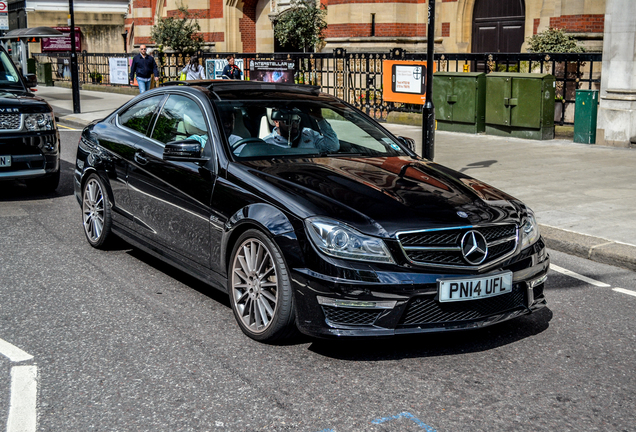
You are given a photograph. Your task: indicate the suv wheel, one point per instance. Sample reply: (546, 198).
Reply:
(44, 184)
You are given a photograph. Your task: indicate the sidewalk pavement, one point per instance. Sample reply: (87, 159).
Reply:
(584, 196)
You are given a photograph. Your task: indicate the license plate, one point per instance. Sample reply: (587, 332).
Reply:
(460, 289)
(5, 161)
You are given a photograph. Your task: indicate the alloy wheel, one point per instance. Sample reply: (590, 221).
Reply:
(93, 210)
(254, 285)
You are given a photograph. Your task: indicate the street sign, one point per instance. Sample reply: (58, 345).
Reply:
(4, 15)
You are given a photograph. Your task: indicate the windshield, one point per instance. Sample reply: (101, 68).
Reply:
(258, 129)
(8, 73)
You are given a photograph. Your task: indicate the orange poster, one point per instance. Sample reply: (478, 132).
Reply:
(404, 81)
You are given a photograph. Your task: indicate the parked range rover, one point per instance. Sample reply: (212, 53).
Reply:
(29, 140)
(308, 213)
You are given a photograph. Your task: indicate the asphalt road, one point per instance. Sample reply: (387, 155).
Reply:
(122, 342)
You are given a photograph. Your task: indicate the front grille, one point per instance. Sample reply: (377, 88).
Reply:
(442, 247)
(348, 316)
(11, 122)
(428, 311)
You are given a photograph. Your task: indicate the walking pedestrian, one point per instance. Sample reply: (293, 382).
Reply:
(144, 66)
(193, 70)
(231, 71)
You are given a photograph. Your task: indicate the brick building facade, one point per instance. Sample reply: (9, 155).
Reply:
(379, 25)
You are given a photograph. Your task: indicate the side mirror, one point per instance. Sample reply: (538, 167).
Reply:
(408, 142)
(188, 150)
(31, 80)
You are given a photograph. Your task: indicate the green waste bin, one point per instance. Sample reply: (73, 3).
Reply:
(460, 101)
(45, 74)
(520, 105)
(585, 112)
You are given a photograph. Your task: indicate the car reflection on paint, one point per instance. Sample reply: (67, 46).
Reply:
(309, 214)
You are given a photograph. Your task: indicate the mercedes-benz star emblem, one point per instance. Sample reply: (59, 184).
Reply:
(474, 247)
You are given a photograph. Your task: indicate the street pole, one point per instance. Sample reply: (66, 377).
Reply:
(428, 111)
(74, 71)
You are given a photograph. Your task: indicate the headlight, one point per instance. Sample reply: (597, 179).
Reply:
(39, 122)
(529, 231)
(339, 240)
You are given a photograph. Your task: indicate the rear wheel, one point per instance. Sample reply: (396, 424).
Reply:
(260, 289)
(96, 212)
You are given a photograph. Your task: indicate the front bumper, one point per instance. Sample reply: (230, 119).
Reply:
(350, 309)
(33, 154)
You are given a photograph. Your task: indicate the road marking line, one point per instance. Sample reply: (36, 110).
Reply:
(407, 415)
(24, 392)
(13, 353)
(625, 291)
(66, 127)
(578, 276)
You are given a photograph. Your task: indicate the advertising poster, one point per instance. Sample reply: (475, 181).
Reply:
(404, 81)
(214, 68)
(272, 71)
(118, 70)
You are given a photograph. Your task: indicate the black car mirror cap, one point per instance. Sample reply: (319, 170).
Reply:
(31, 80)
(189, 150)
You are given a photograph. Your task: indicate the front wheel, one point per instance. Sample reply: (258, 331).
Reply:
(96, 214)
(260, 289)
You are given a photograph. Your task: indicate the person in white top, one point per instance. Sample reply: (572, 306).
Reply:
(194, 71)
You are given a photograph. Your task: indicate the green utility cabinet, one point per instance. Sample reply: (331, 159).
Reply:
(585, 112)
(45, 74)
(460, 101)
(520, 105)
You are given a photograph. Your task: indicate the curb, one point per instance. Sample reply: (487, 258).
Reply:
(74, 121)
(593, 248)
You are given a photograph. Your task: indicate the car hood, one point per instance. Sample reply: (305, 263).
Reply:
(380, 196)
(23, 100)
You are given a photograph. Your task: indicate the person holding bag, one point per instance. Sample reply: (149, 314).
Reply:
(193, 71)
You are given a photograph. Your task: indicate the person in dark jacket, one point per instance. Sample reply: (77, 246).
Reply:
(143, 65)
(231, 71)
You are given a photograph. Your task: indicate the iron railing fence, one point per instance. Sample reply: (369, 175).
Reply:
(357, 77)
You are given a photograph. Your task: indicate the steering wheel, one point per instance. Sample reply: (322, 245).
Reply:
(248, 140)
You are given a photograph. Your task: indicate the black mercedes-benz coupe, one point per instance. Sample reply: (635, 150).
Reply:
(308, 213)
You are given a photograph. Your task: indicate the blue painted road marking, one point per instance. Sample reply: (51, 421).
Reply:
(407, 415)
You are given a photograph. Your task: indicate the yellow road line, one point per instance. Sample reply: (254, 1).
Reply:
(66, 127)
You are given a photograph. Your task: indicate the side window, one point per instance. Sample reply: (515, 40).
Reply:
(138, 116)
(181, 118)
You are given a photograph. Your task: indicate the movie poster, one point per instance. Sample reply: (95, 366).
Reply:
(272, 71)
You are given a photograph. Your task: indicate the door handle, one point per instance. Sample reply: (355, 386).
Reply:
(140, 159)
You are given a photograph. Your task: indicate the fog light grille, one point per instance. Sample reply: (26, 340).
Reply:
(347, 316)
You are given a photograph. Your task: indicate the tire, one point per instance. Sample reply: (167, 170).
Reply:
(260, 289)
(96, 212)
(45, 184)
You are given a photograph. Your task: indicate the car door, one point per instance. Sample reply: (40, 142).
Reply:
(118, 138)
(172, 199)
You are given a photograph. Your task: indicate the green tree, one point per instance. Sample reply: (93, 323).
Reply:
(301, 25)
(179, 33)
(553, 40)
